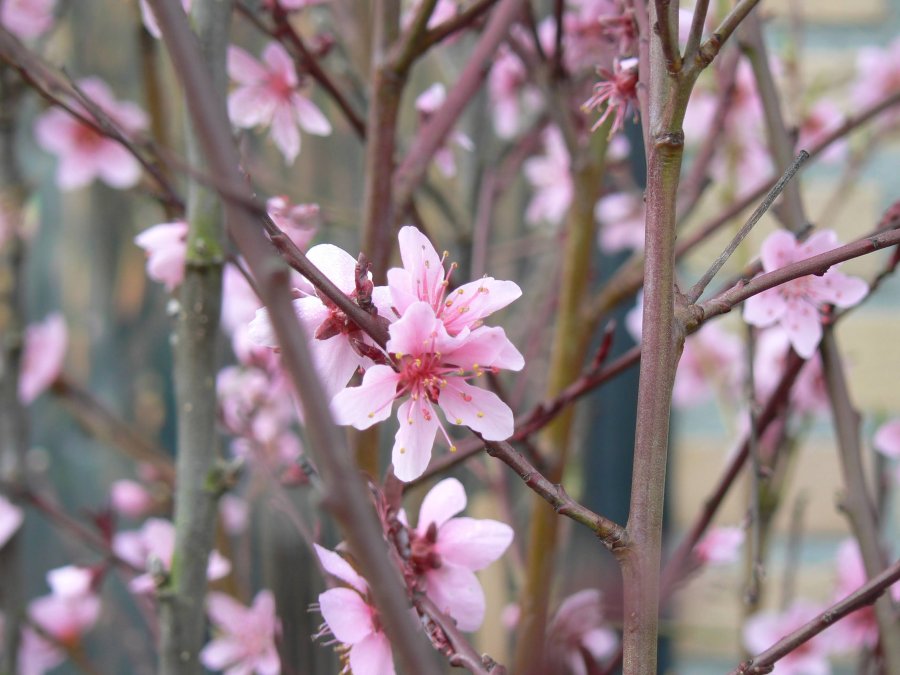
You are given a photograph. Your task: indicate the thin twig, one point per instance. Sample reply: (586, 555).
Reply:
(698, 288)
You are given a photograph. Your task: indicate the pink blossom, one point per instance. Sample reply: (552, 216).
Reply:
(245, 636)
(796, 306)
(156, 540)
(239, 306)
(27, 19)
(234, 513)
(618, 91)
(576, 634)
(36, 654)
(432, 368)
(551, 180)
(42, 359)
(427, 104)
(71, 609)
(253, 403)
(268, 94)
(351, 617)
(166, 248)
(423, 278)
(11, 518)
(808, 395)
(84, 154)
(820, 120)
(595, 31)
(764, 629)
(149, 18)
(443, 11)
(130, 499)
(621, 218)
(720, 546)
(335, 348)
(298, 221)
(859, 629)
(887, 439)
(511, 99)
(878, 76)
(445, 552)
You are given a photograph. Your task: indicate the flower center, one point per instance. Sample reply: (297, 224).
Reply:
(422, 554)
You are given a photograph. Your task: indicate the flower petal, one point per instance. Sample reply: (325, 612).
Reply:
(336, 566)
(414, 439)
(250, 106)
(422, 262)
(372, 656)
(285, 133)
(370, 402)
(803, 326)
(473, 543)
(243, 68)
(442, 502)
(779, 249)
(310, 117)
(477, 408)
(347, 614)
(456, 591)
(336, 264)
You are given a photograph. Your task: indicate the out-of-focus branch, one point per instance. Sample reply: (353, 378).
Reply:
(411, 171)
(13, 417)
(865, 595)
(182, 597)
(710, 48)
(106, 427)
(345, 494)
(461, 652)
(460, 21)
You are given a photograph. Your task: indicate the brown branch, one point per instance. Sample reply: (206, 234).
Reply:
(711, 47)
(453, 25)
(461, 652)
(345, 494)
(865, 595)
(665, 29)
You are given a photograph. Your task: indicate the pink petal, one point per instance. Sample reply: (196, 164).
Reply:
(414, 439)
(70, 581)
(226, 612)
(600, 642)
(280, 64)
(336, 264)
(221, 653)
(478, 299)
(803, 326)
(285, 133)
(336, 362)
(840, 289)
(55, 131)
(487, 346)
(764, 309)
(422, 262)
(347, 615)
(310, 117)
(117, 167)
(442, 502)
(473, 543)
(476, 408)
(243, 68)
(456, 591)
(779, 249)
(402, 288)
(412, 332)
(11, 518)
(336, 566)
(250, 106)
(887, 439)
(75, 170)
(372, 656)
(43, 356)
(368, 403)
(819, 242)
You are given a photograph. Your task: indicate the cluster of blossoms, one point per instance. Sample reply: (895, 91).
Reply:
(443, 553)
(437, 344)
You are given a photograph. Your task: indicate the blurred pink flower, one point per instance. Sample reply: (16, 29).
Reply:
(234, 513)
(576, 634)
(551, 180)
(84, 154)
(796, 306)
(36, 654)
(887, 439)
(333, 350)
(859, 629)
(808, 395)
(617, 92)
(268, 94)
(71, 609)
(166, 248)
(428, 102)
(149, 18)
(445, 552)
(293, 4)
(130, 499)
(878, 76)
(298, 221)
(245, 636)
(43, 356)
(621, 218)
(353, 620)
(820, 120)
(423, 278)
(27, 19)
(156, 540)
(11, 518)
(720, 546)
(433, 369)
(764, 629)
(512, 98)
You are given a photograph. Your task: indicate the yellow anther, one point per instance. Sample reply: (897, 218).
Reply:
(371, 415)
(449, 303)
(452, 448)
(409, 420)
(418, 363)
(479, 414)
(458, 420)
(428, 264)
(459, 291)
(402, 450)
(399, 355)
